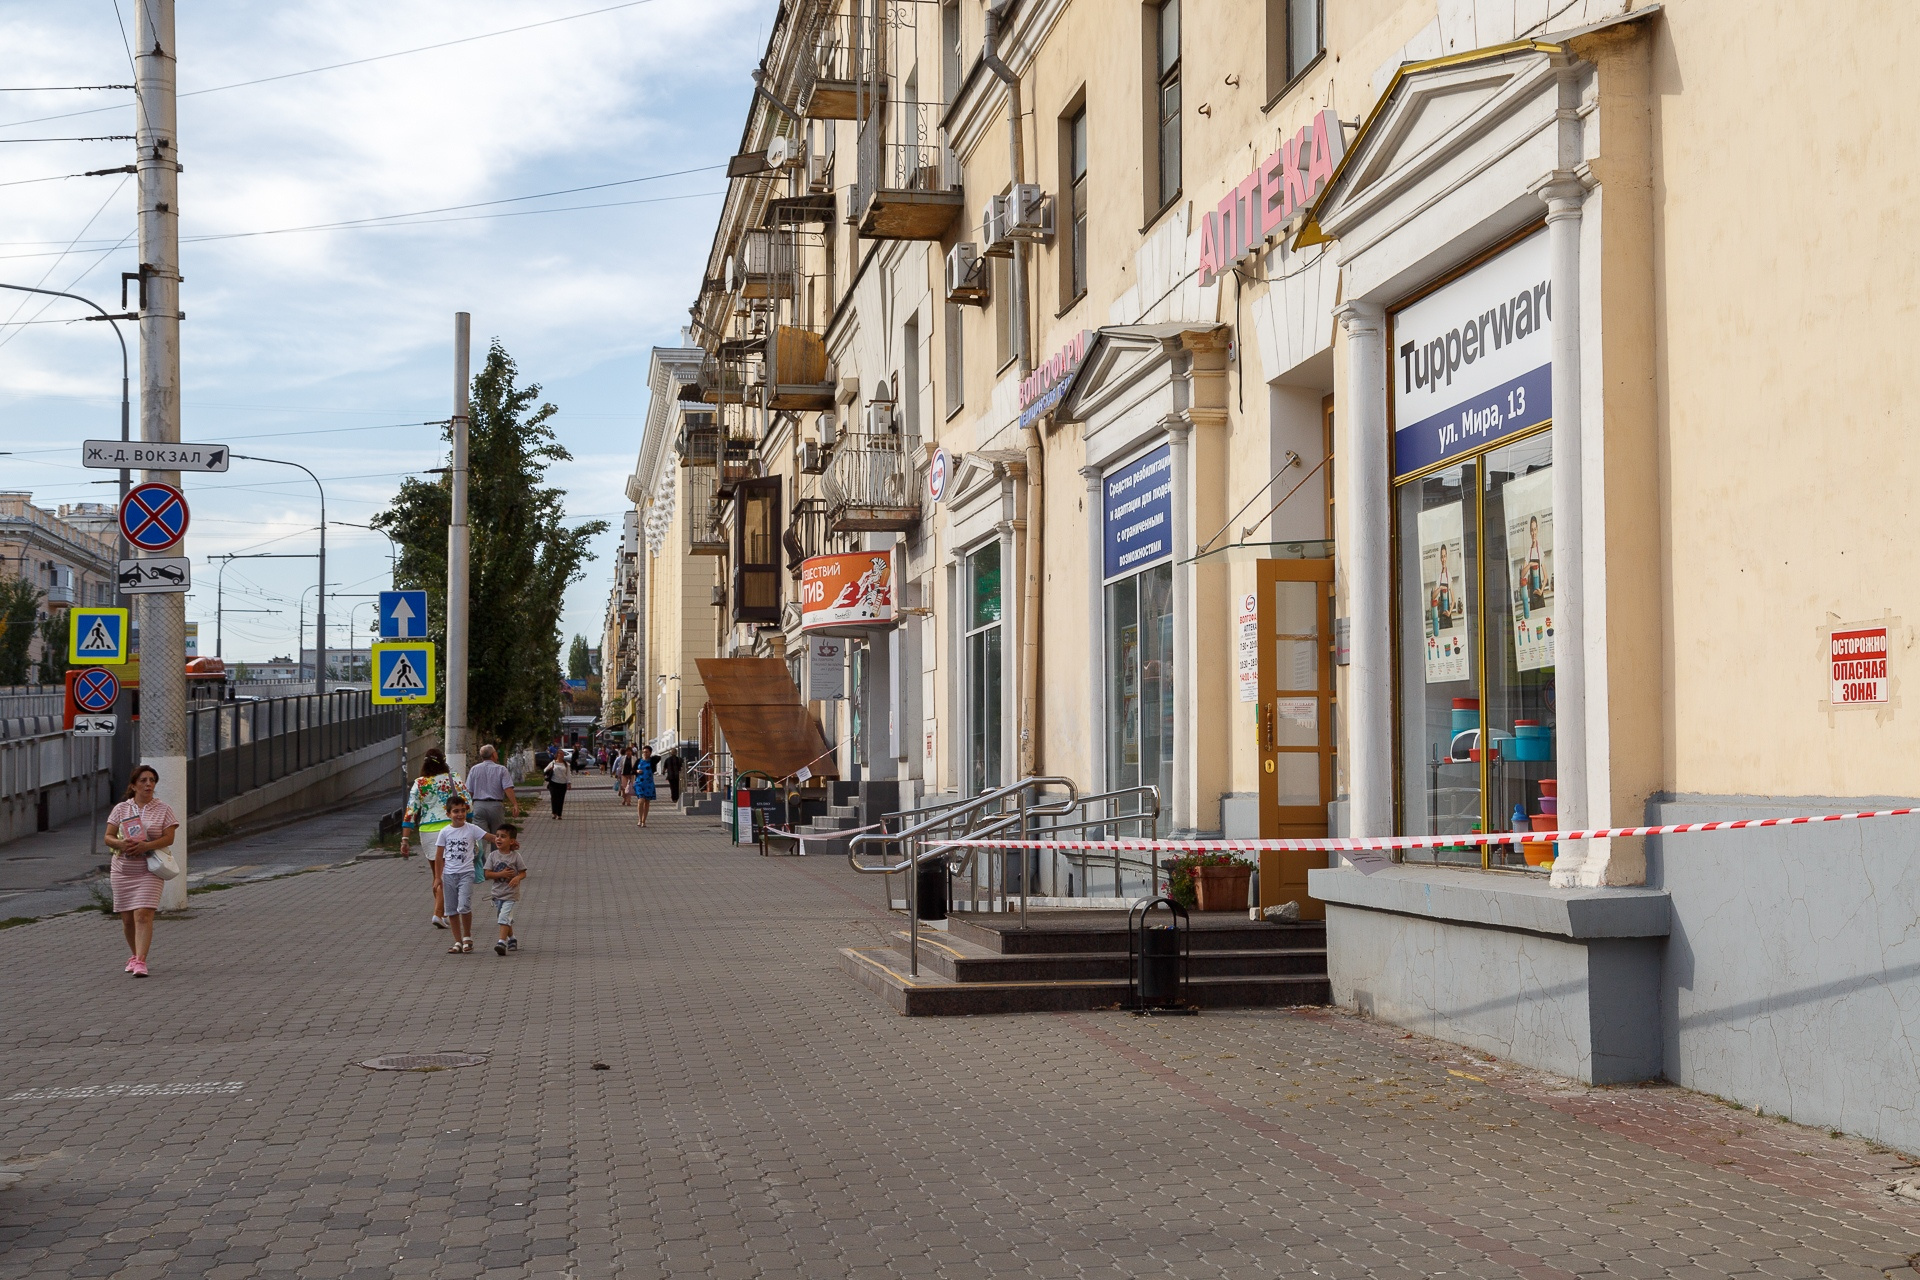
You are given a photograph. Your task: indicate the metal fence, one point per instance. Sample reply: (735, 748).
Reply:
(30, 768)
(233, 747)
(25, 701)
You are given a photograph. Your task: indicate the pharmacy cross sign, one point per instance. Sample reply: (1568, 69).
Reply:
(153, 516)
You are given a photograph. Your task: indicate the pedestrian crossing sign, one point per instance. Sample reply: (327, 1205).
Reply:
(403, 671)
(96, 637)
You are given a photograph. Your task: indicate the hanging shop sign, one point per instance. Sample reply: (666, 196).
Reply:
(937, 470)
(1473, 360)
(1859, 657)
(1283, 184)
(848, 594)
(1136, 513)
(1043, 389)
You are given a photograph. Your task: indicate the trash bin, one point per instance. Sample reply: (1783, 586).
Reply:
(1159, 951)
(930, 891)
(1159, 965)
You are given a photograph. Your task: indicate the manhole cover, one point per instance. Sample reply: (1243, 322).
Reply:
(424, 1061)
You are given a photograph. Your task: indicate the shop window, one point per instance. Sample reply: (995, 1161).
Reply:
(984, 647)
(1140, 671)
(756, 552)
(1475, 593)
(1296, 37)
(1163, 148)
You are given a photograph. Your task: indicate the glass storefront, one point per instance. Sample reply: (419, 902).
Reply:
(983, 649)
(1140, 674)
(1474, 593)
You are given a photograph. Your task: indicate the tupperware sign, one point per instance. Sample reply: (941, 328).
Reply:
(1137, 513)
(1473, 360)
(1859, 661)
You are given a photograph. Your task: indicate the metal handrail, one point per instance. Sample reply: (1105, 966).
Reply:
(984, 814)
(1148, 814)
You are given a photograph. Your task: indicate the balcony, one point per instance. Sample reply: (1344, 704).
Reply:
(843, 66)
(871, 487)
(801, 379)
(60, 596)
(764, 265)
(722, 381)
(809, 533)
(705, 534)
(908, 185)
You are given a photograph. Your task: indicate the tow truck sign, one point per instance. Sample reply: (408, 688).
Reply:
(1859, 659)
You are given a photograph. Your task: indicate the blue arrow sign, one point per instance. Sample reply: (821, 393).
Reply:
(95, 691)
(403, 615)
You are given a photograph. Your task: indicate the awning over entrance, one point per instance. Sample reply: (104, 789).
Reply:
(759, 710)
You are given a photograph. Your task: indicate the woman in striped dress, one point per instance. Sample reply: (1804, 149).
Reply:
(135, 828)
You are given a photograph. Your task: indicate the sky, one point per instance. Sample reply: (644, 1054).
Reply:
(332, 348)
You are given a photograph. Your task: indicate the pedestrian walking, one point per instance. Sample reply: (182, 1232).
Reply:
(426, 814)
(137, 827)
(490, 788)
(505, 868)
(643, 782)
(623, 771)
(671, 767)
(559, 778)
(456, 848)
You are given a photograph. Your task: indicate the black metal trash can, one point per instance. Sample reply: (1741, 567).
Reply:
(1159, 965)
(930, 891)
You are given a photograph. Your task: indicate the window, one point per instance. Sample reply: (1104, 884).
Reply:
(949, 50)
(956, 359)
(1002, 312)
(1140, 668)
(910, 377)
(756, 552)
(1166, 102)
(983, 646)
(1073, 154)
(1296, 37)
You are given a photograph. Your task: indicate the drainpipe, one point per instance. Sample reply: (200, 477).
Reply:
(1035, 485)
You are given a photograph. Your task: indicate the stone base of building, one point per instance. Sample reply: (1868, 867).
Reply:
(1562, 980)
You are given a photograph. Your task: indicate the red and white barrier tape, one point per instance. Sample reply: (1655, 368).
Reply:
(1374, 843)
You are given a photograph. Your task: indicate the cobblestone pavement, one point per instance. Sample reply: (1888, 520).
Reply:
(762, 1115)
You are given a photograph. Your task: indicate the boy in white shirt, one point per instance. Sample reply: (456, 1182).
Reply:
(456, 848)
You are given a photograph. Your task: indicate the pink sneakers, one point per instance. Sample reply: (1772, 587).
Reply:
(132, 961)
(138, 968)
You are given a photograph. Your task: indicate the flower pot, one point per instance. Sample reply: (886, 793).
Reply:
(1222, 888)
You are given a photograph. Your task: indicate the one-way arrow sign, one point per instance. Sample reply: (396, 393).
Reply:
(140, 455)
(403, 615)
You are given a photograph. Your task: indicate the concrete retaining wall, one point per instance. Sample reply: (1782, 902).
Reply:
(354, 776)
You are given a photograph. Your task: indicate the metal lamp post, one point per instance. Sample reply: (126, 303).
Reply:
(320, 601)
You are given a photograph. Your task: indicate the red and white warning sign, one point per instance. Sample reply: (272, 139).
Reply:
(1859, 666)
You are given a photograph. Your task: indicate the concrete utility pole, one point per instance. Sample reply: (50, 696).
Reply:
(163, 629)
(457, 549)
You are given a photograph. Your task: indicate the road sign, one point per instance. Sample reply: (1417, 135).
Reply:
(156, 576)
(154, 516)
(94, 691)
(96, 637)
(403, 615)
(95, 726)
(128, 455)
(402, 671)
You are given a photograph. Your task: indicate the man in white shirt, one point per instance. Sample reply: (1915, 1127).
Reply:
(490, 784)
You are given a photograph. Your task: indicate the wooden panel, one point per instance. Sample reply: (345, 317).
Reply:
(759, 710)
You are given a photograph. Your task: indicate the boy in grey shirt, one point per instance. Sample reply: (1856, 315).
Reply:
(506, 869)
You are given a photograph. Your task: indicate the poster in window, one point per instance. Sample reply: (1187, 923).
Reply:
(1529, 512)
(1443, 592)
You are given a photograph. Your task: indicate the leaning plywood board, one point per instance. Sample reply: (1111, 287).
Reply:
(768, 729)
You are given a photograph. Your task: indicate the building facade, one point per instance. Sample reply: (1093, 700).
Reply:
(1377, 419)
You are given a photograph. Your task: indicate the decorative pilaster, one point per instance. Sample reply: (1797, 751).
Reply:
(1096, 633)
(1369, 571)
(1185, 670)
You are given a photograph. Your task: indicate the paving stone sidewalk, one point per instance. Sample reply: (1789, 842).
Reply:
(762, 1115)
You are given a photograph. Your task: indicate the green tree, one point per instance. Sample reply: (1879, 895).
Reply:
(523, 557)
(579, 662)
(53, 645)
(19, 608)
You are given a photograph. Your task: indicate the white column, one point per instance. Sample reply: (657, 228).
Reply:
(1369, 572)
(1563, 197)
(1185, 671)
(1096, 634)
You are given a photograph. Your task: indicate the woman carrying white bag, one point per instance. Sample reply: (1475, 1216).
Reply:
(140, 832)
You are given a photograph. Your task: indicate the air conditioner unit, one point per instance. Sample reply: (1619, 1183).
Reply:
(880, 418)
(1030, 215)
(997, 225)
(818, 171)
(829, 427)
(813, 458)
(966, 274)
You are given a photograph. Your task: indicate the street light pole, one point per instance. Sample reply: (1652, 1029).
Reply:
(320, 601)
(458, 545)
(122, 764)
(220, 590)
(393, 548)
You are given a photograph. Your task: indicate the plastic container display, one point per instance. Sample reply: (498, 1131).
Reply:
(1549, 804)
(1466, 714)
(1531, 749)
(1549, 786)
(1546, 822)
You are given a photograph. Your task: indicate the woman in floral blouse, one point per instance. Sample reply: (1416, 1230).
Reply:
(427, 813)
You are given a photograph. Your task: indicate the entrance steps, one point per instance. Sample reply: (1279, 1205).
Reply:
(1077, 960)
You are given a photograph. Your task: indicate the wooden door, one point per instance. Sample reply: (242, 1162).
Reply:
(1294, 618)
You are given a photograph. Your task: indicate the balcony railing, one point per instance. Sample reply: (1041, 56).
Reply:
(871, 486)
(843, 65)
(908, 185)
(705, 536)
(809, 533)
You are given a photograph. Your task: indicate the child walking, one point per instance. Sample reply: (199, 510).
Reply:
(643, 782)
(506, 869)
(455, 848)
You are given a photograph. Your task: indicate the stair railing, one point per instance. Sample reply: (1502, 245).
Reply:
(1005, 811)
(1135, 806)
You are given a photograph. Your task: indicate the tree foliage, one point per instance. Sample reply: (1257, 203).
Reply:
(522, 559)
(579, 660)
(19, 608)
(53, 645)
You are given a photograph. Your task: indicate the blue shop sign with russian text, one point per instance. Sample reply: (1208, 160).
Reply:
(1136, 507)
